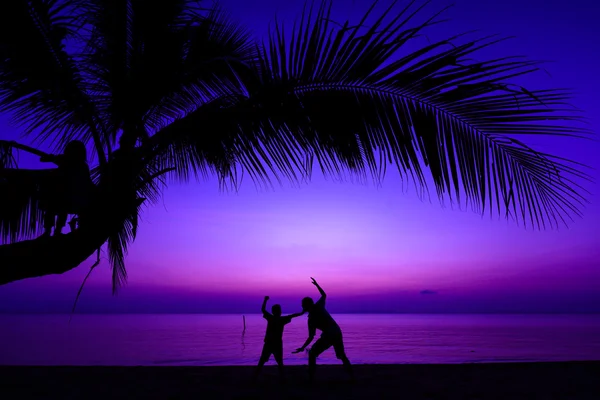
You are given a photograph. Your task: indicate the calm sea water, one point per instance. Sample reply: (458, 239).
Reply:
(218, 339)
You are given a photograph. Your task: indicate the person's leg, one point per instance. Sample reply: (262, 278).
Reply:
(51, 198)
(49, 219)
(340, 353)
(264, 357)
(73, 223)
(61, 221)
(278, 355)
(319, 347)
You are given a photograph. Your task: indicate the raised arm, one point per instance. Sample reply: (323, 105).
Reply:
(323, 295)
(263, 309)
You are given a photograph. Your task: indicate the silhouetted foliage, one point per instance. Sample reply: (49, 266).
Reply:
(190, 93)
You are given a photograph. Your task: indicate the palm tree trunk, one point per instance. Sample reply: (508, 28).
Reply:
(48, 255)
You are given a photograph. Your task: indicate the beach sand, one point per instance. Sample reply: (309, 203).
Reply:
(564, 380)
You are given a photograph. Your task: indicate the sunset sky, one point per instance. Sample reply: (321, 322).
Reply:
(372, 249)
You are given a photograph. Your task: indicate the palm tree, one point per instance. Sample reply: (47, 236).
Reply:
(168, 90)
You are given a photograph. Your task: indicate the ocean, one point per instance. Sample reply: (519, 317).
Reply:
(200, 339)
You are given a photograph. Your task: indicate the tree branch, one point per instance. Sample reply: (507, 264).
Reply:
(47, 256)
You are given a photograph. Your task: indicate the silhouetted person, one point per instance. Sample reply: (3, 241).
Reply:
(331, 334)
(69, 188)
(274, 336)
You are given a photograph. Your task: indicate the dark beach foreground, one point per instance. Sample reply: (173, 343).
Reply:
(561, 380)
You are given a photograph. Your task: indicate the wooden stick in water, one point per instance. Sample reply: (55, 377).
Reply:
(244, 319)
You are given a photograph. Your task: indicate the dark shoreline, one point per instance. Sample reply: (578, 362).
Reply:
(548, 380)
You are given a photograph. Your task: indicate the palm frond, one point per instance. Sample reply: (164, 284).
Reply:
(216, 51)
(197, 143)
(149, 61)
(40, 83)
(128, 184)
(20, 214)
(347, 97)
(204, 100)
(106, 58)
(117, 246)
(228, 136)
(148, 188)
(7, 158)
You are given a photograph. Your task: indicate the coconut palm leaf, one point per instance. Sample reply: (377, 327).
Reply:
(217, 50)
(117, 245)
(182, 146)
(148, 61)
(7, 158)
(20, 214)
(40, 83)
(351, 98)
(148, 187)
(347, 96)
(145, 188)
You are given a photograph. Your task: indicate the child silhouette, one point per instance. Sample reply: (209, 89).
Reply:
(274, 335)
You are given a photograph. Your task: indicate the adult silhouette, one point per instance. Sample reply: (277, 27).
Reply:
(331, 334)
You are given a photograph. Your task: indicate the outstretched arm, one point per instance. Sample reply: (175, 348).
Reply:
(323, 295)
(44, 157)
(50, 158)
(311, 335)
(296, 315)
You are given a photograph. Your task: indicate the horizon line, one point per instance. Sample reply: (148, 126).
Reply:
(336, 313)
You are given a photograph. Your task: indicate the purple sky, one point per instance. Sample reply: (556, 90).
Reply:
(372, 249)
